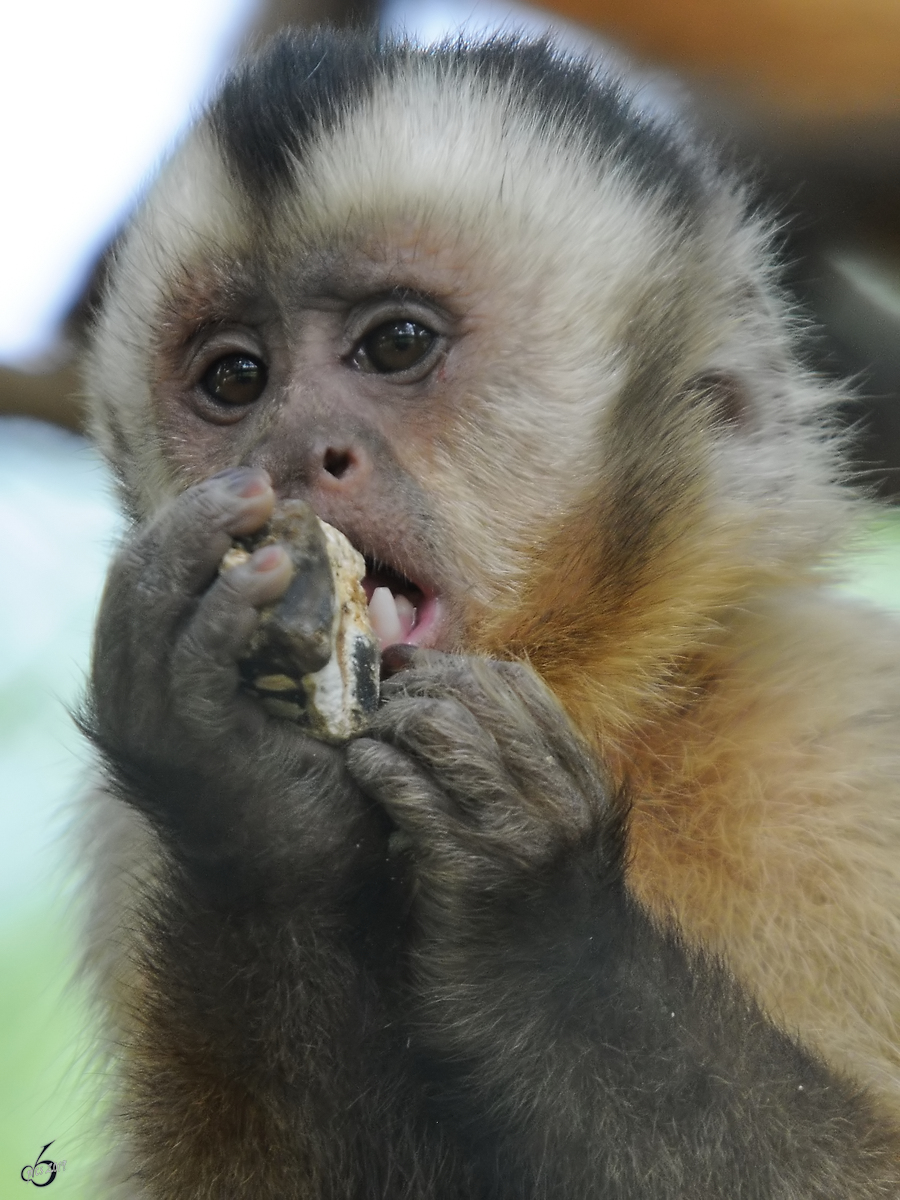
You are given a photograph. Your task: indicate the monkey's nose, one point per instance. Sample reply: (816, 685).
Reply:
(342, 465)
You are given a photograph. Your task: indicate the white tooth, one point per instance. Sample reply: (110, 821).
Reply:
(385, 619)
(407, 614)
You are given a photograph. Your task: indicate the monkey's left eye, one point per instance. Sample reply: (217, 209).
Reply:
(237, 379)
(394, 347)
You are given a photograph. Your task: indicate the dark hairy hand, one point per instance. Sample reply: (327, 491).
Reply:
(559, 1027)
(220, 778)
(494, 796)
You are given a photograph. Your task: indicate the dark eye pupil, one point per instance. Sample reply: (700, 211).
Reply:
(397, 345)
(235, 379)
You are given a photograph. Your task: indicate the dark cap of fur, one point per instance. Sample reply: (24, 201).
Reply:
(300, 85)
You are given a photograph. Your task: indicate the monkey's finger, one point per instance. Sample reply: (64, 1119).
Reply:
(480, 683)
(541, 749)
(204, 659)
(403, 658)
(562, 742)
(477, 842)
(179, 553)
(488, 687)
(476, 685)
(397, 658)
(496, 738)
(154, 577)
(430, 673)
(410, 796)
(444, 739)
(472, 679)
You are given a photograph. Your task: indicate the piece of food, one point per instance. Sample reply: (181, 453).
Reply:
(313, 658)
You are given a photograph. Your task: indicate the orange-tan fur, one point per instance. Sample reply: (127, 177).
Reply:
(763, 764)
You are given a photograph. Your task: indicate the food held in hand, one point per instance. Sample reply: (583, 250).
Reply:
(313, 658)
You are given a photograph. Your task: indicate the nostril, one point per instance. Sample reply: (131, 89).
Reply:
(337, 462)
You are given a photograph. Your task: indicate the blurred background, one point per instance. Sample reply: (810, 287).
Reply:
(92, 92)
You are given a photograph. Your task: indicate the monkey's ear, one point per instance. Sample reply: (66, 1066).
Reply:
(725, 397)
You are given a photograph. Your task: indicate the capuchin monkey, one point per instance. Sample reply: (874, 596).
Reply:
(604, 901)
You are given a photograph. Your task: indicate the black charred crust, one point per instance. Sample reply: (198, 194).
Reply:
(366, 670)
(302, 85)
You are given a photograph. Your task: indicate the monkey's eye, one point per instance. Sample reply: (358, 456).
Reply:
(393, 347)
(237, 379)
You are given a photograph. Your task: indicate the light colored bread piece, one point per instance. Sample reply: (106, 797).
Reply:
(314, 658)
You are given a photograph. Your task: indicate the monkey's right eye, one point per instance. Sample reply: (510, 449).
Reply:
(237, 379)
(395, 348)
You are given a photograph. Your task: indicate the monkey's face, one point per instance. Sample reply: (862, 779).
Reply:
(427, 379)
(466, 337)
(393, 388)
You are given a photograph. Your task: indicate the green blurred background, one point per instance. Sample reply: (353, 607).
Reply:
(59, 524)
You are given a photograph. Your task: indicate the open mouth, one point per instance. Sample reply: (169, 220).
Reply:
(400, 611)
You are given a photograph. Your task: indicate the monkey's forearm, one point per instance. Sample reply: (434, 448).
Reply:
(578, 1049)
(277, 839)
(261, 1061)
(583, 1052)
(261, 1040)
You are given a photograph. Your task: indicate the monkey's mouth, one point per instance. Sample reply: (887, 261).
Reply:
(400, 611)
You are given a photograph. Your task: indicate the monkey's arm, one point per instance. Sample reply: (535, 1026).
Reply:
(235, 796)
(257, 1057)
(579, 1049)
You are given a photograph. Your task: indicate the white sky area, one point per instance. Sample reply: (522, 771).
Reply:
(91, 92)
(429, 22)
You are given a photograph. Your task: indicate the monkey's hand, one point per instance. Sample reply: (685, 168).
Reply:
(490, 789)
(567, 1038)
(226, 785)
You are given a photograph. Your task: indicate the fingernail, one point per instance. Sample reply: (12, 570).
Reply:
(244, 481)
(267, 559)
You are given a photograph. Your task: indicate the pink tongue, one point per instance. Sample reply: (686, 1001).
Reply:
(392, 617)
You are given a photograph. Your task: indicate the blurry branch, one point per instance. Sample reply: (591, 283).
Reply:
(812, 63)
(55, 396)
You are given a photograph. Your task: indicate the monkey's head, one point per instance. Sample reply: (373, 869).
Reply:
(516, 339)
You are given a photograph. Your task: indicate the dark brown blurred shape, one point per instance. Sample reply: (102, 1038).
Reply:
(49, 396)
(816, 61)
(278, 13)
